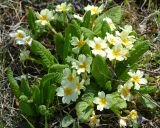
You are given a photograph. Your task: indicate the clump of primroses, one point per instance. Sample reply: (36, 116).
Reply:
(115, 46)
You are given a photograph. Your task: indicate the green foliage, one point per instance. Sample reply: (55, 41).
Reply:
(27, 108)
(105, 28)
(25, 86)
(147, 89)
(84, 111)
(36, 95)
(75, 29)
(57, 68)
(148, 102)
(114, 13)
(59, 43)
(67, 121)
(100, 71)
(122, 68)
(87, 33)
(13, 83)
(86, 21)
(42, 109)
(108, 86)
(117, 102)
(37, 100)
(88, 97)
(47, 59)
(31, 20)
(85, 50)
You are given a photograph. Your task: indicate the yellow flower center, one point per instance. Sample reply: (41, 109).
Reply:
(93, 120)
(81, 43)
(83, 65)
(78, 86)
(98, 46)
(125, 91)
(94, 10)
(113, 41)
(133, 114)
(42, 18)
(70, 77)
(135, 79)
(27, 40)
(125, 40)
(116, 53)
(68, 91)
(19, 36)
(102, 101)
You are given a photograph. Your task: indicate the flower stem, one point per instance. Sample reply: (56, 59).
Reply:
(52, 29)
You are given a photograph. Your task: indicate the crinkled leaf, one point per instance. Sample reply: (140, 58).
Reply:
(59, 43)
(27, 108)
(85, 50)
(86, 21)
(25, 86)
(87, 33)
(100, 71)
(147, 89)
(67, 121)
(108, 86)
(36, 95)
(13, 83)
(31, 20)
(57, 68)
(148, 102)
(136, 53)
(45, 55)
(117, 101)
(88, 97)
(84, 111)
(114, 13)
(51, 94)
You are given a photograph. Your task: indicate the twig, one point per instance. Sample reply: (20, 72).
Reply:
(148, 17)
(151, 72)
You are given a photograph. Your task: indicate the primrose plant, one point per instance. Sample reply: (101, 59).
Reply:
(94, 66)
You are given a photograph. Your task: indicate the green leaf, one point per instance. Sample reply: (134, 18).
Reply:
(117, 102)
(147, 89)
(85, 50)
(46, 57)
(31, 20)
(114, 13)
(55, 77)
(148, 102)
(136, 53)
(75, 29)
(57, 68)
(59, 43)
(13, 83)
(51, 94)
(105, 28)
(67, 45)
(27, 108)
(86, 21)
(100, 71)
(25, 86)
(88, 97)
(67, 121)
(84, 111)
(36, 95)
(87, 33)
(108, 86)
